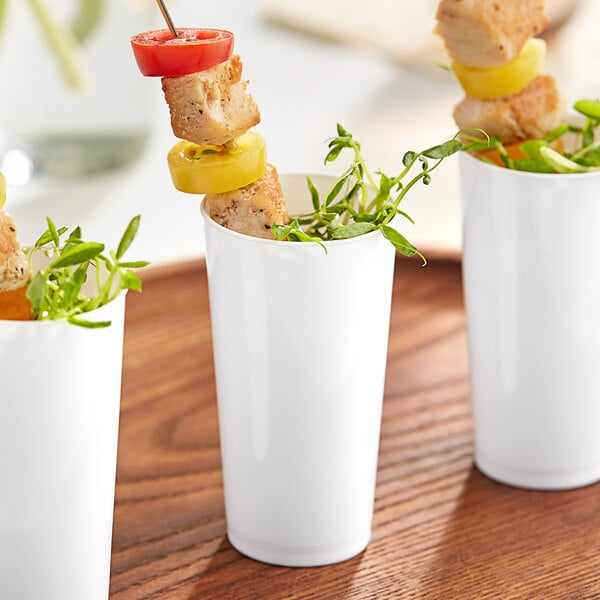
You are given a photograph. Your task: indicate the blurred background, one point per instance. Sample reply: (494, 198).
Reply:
(84, 137)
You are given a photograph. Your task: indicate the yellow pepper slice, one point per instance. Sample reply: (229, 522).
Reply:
(212, 170)
(505, 79)
(2, 190)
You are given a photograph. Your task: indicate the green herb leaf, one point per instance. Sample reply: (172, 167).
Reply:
(479, 146)
(53, 232)
(405, 215)
(48, 236)
(77, 254)
(350, 210)
(556, 133)
(399, 241)
(353, 230)
(531, 148)
(134, 264)
(443, 150)
(342, 132)
(314, 194)
(280, 231)
(75, 234)
(588, 108)
(333, 154)
(562, 164)
(57, 291)
(409, 158)
(128, 236)
(533, 165)
(36, 290)
(88, 324)
(336, 189)
(130, 281)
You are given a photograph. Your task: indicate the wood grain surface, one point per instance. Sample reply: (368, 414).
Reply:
(441, 530)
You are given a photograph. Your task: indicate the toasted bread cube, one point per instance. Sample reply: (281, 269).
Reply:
(253, 208)
(488, 33)
(211, 106)
(14, 266)
(528, 114)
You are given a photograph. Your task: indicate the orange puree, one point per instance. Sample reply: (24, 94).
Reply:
(14, 305)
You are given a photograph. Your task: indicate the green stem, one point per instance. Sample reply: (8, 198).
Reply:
(413, 181)
(372, 181)
(104, 297)
(98, 274)
(586, 150)
(63, 43)
(365, 194)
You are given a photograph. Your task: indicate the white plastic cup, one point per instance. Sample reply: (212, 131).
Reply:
(59, 414)
(300, 346)
(531, 260)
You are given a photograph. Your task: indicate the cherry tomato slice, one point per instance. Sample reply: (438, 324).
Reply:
(216, 172)
(159, 54)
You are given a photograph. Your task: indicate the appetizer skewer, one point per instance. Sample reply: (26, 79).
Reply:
(499, 62)
(220, 156)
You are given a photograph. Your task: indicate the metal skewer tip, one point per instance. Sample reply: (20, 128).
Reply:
(167, 17)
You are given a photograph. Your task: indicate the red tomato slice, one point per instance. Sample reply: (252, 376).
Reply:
(159, 54)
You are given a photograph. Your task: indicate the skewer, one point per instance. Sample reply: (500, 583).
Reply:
(167, 17)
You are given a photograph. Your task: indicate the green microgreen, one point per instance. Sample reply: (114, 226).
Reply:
(56, 291)
(541, 157)
(360, 201)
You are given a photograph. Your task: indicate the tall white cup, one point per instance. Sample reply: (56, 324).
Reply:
(300, 346)
(59, 416)
(531, 265)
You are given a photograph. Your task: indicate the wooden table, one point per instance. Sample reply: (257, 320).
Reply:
(441, 530)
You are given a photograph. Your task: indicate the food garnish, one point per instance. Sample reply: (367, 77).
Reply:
(542, 156)
(360, 202)
(55, 292)
(213, 114)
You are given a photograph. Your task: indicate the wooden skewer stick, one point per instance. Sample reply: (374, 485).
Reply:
(167, 17)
